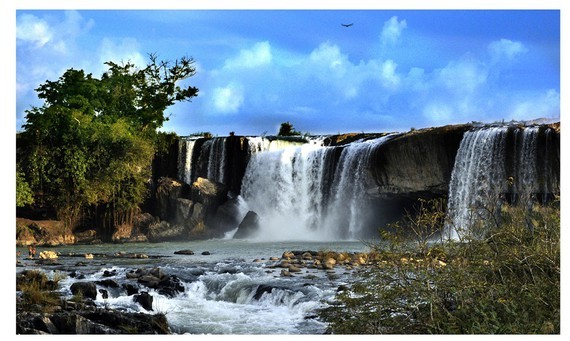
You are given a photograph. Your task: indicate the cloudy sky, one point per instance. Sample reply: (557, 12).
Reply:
(389, 71)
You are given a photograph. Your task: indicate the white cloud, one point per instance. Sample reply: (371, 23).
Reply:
(122, 51)
(463, 76)
(439, 113)
(32, 29)
(329, 56)
(506, 49)
(258, 55)
(541, 105)
(389, 77)
(392, 30)
(228, 99)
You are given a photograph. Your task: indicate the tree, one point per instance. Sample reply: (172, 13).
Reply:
(91, 144)
(287, 129)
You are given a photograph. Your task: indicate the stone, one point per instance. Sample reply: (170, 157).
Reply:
(85, 289)
(48, 255)
(248, 227)
(131, 289)
(184, 252)
(144, 299)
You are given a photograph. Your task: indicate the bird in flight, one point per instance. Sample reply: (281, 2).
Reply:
(347, 25)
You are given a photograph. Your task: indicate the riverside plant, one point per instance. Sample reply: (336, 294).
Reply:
(505, 281)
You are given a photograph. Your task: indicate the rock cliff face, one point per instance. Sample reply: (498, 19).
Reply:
(416, 164)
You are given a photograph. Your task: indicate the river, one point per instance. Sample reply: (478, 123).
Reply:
(221, 289)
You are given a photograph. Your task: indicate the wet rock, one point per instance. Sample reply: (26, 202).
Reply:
(109, 283)
(248, 227)
(85, 289)
(131, 289)
(206, 253)
(144, 299)
(108, 273)
(184, 252)
(104, 293)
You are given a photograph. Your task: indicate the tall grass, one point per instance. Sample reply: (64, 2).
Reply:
(505, 281)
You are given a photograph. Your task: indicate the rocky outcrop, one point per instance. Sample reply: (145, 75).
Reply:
(42, 233)
(416, 164)
(248, 227)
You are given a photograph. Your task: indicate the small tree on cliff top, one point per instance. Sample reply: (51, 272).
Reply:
(287, 129)
(92, 142)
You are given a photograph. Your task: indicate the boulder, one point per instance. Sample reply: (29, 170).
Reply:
(167, 192)
(144, 299)
(163, 231)
(85, 289)
(184, 252)
(248, 227)
(48, 255)
(209, 193)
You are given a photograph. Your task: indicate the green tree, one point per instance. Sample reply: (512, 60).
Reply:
(286, 129)
(91, 144)
(24, 195)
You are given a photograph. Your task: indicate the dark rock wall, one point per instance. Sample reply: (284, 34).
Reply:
(416, 164)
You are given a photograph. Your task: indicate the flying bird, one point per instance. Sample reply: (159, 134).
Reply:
(347, 25)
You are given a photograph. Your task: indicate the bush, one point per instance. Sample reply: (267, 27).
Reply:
(507, 282)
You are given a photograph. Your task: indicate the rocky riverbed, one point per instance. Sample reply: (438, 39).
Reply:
(70, 294)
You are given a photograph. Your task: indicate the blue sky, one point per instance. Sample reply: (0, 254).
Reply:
(390, 71)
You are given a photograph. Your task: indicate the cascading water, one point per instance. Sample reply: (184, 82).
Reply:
(308, 192)
(185, 152)
(216, 159)
(494, 166)
(476, 178)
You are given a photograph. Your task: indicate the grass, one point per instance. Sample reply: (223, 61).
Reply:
(505, 282)
(38, 291)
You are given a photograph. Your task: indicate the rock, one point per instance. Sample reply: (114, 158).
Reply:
(48, 255)
(206, 253)
(162, 231)
(184, 252)
(108, 273)
(144, 299)
(285, 273)
(293, 268)
(167, 192)
(248, 227)
(227, 216)
(85, 289)
(88, 256)
(109, 283)
(209, 193)
(170, 286)
(122, 233)
(288, 254)
(183, 211)
(158, 273)
(131, 289)
(104, 293)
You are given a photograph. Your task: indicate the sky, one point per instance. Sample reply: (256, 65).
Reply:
(392, 70)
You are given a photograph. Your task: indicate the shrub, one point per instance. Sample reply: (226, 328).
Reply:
(507, 282)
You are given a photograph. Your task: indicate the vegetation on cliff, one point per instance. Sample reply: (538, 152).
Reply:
(87, 152)
(507, 282)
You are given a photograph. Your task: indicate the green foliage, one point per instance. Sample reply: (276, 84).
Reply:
(286, 129)
(91, 144)
(24, 195)
(505, 283)
(38, 291)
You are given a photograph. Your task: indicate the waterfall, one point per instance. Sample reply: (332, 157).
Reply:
(216, 148)
(494, 166)
(309, 192)
(476, 179)
(185, 152)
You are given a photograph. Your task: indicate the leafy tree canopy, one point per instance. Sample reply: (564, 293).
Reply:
(287, 129)
(92, 141)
